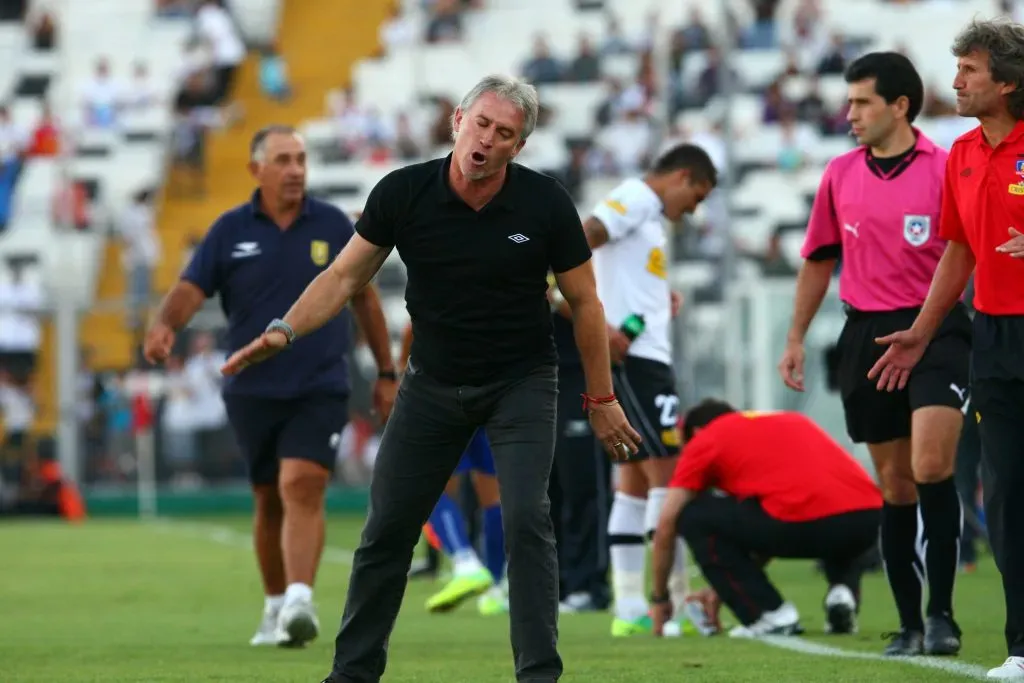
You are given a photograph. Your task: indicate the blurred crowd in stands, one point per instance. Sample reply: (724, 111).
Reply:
(627, 130)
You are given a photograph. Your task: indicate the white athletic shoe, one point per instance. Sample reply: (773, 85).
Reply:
(267, 633)
(840, 610)
(784, 621)
(297, 624)
(1011, 670)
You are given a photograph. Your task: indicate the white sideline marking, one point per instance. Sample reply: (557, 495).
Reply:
(236, 539)
(231, 537)
(808, 647)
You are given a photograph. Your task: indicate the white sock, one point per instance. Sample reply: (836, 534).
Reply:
(628, 555)
(273, 603)
(678, 585)
(678, 581)
(298, 591)
(466, 562)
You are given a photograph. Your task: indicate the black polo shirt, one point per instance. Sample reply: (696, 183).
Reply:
(259, 271)
(477, 281)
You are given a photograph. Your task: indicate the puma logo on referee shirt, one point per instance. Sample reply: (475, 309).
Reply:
(852, 229)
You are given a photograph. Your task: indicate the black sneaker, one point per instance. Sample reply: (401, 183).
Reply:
(941, 636)
(904, 643)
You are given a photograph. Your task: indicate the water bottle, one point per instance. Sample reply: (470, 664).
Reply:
(633, 326)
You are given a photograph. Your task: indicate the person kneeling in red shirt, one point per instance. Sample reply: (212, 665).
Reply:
(752, 486)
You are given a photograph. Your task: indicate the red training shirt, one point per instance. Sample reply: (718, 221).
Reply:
(796, 470)
(983, 198)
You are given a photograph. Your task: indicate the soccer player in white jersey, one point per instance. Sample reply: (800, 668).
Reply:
(628, 235)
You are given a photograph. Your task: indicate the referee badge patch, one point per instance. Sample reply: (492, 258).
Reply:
(917, 229)
(319, 251)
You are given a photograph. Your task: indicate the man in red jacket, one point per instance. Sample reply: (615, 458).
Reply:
(752, 486)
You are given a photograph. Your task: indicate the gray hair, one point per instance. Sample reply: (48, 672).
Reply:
(258, 143)
(1004, 42)
(515, 90)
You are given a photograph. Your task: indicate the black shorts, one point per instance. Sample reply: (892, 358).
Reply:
(941, 378)
(269, 429)
(647, 391)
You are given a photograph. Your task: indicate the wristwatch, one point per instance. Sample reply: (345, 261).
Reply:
(388, 374)
(278, 325)
(657, 599)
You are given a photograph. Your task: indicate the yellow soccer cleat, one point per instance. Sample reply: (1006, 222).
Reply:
(460, 589)
(492, 603)
(623, 628)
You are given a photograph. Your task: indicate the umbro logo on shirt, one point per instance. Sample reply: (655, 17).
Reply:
(519, 238)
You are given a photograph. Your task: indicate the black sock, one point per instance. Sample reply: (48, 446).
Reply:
(941, 514)
(903, 566)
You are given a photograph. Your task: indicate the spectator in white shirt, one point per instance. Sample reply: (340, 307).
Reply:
(615, 43)
(139, 93)
(140, 253)
(628, 141)
(21, 300)
(215, 26)
(398, 31)
(216, 447)
(19, 412)
(13, 140)
(177, 423)
(350, 121)
(102, 98)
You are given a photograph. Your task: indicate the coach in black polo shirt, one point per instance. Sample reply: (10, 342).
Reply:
(478, 235)
(259, 257)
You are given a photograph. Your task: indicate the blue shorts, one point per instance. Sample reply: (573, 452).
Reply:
(478, 456)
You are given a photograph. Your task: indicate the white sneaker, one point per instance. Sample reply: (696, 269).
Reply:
(1011, 670)
(840, 610)
(784, 621)
(297, 624)
(267, 633)
(577, 602)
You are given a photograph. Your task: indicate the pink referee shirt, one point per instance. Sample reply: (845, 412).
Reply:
(888, 227)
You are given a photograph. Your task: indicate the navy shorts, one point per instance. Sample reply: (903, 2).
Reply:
(478, 456)
(269, 429)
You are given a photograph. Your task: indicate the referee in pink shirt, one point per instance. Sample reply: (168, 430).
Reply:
(878, 208)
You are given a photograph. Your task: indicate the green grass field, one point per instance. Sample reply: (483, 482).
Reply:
(177, 601)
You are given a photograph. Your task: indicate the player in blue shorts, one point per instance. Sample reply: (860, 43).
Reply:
(447, 524)
(446, 529)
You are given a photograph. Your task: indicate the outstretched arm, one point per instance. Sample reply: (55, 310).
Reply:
(332, 289)
(323, 299)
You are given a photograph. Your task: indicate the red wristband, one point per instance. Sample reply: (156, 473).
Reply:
(603, 400)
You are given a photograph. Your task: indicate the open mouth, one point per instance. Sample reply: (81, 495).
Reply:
(478, 158)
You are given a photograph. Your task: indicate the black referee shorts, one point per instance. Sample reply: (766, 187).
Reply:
(940, 379)
(647, 391)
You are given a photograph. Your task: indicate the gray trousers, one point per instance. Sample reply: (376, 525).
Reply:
(429, 428)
